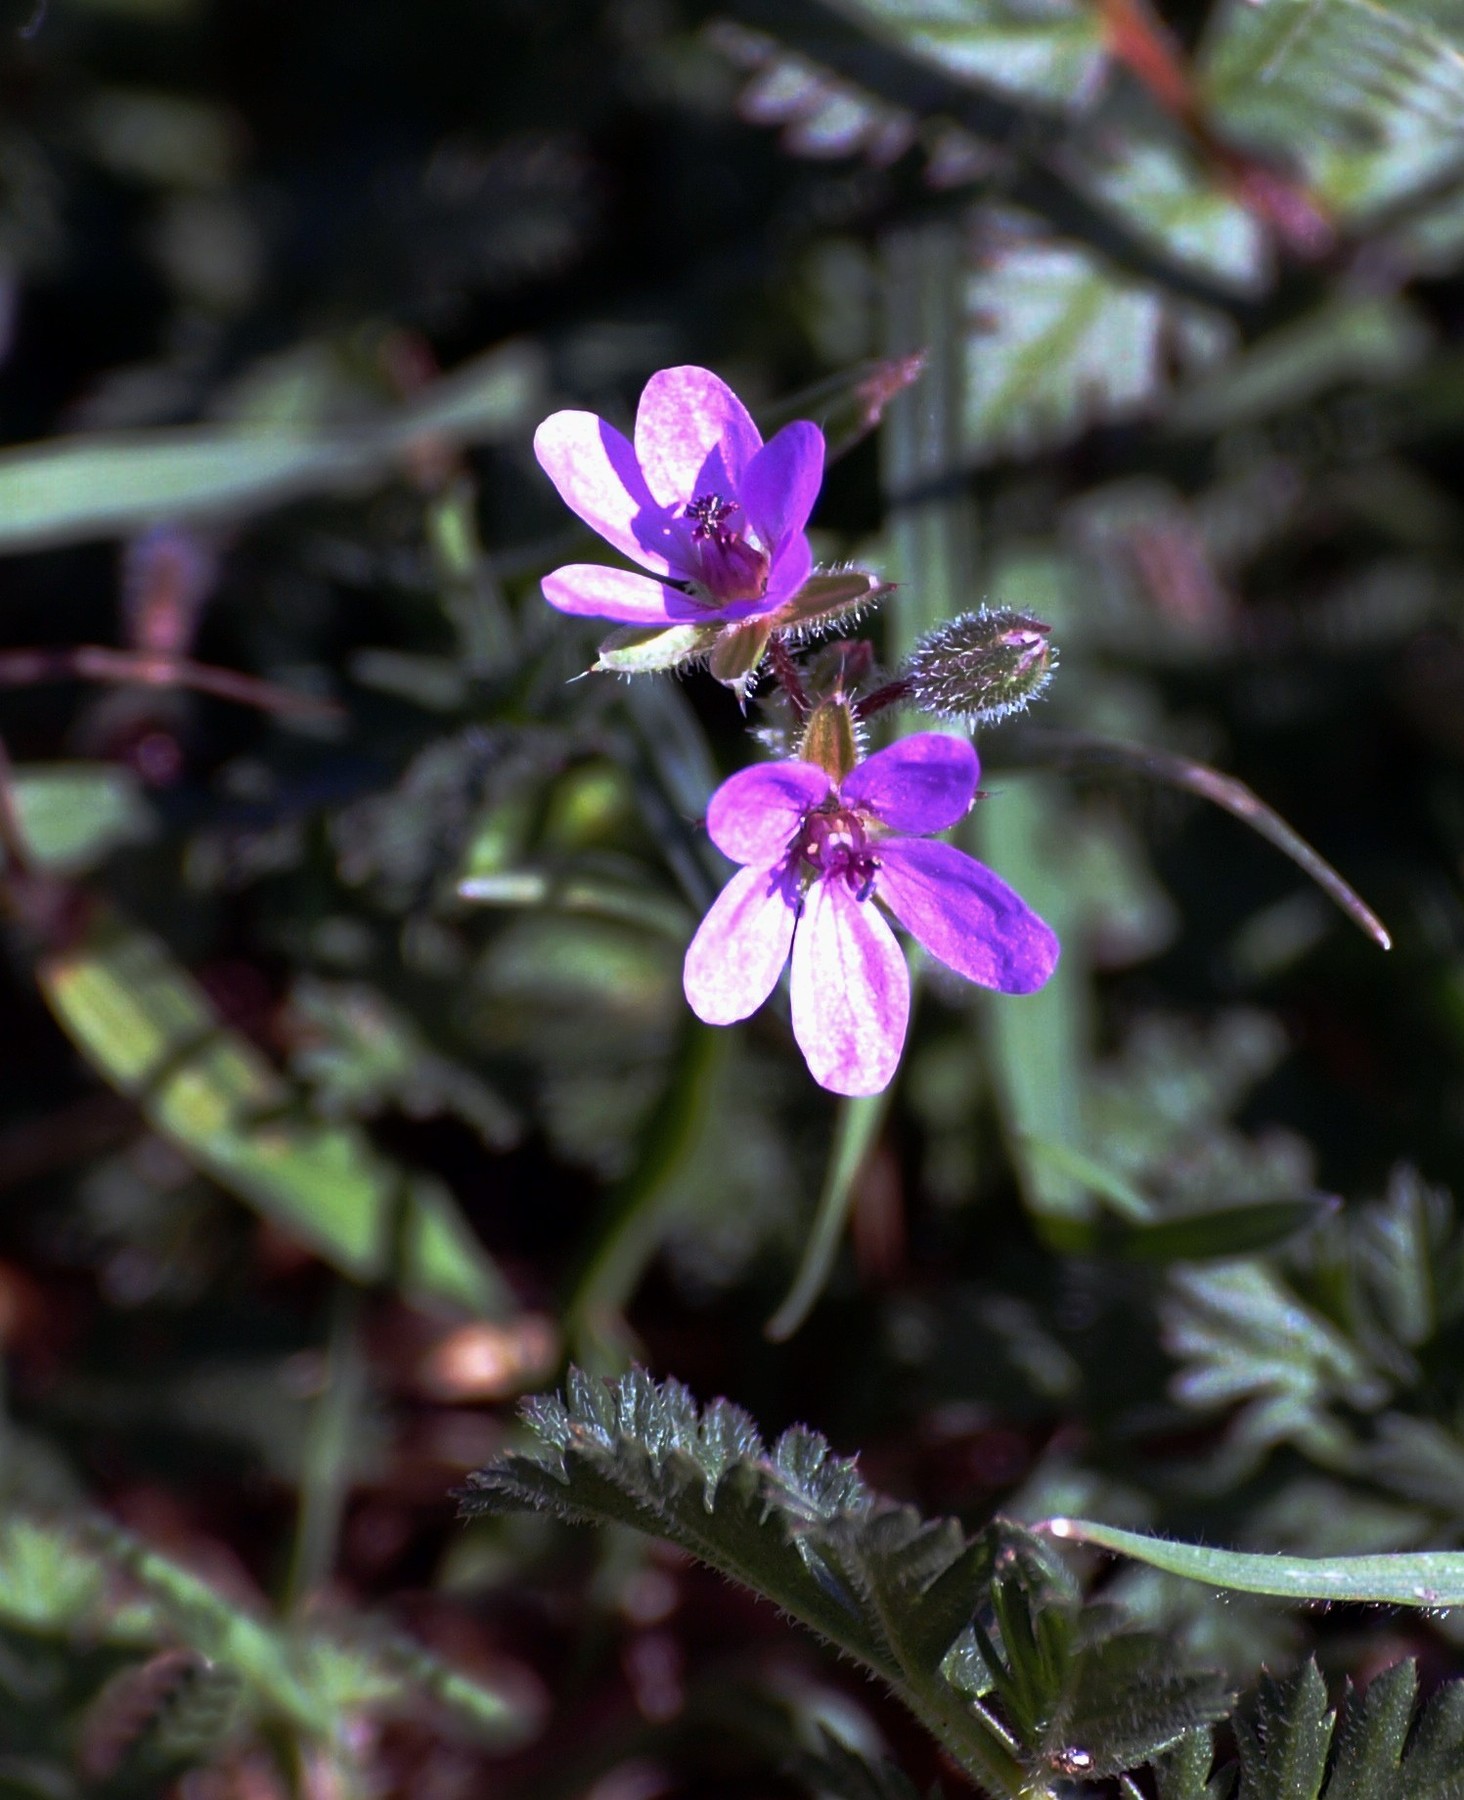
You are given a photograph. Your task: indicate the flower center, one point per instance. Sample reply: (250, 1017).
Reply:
(835, 845)
(728, 565)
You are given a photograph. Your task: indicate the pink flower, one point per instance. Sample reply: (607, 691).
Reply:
(816, 855)
(700, 499)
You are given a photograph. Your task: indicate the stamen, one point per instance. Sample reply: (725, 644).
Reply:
(709, 514)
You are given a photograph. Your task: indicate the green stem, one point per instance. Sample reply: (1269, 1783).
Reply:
(325, 1478)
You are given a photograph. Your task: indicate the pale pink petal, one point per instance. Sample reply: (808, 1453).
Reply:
(734, 961)
(850, 991)
(791, 568)
(782, 483)
(595, 471)
(594, 592)
(756, 813)
(922, 783)
(965, 916)
(693, 436)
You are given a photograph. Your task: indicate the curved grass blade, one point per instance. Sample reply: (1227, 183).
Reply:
(854, 1136)
(1407, 1578)
(1077, 751)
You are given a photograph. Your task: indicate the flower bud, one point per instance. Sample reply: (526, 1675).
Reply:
(981, 667)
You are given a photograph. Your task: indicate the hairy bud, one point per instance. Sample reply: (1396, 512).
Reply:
(980, 667)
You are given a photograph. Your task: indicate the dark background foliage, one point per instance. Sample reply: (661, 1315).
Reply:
(312, 1167)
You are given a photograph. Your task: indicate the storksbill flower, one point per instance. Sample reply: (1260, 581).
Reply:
(817, 857)
(714, 513)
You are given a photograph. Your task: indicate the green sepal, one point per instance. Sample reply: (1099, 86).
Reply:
(646, 649)
(830, 739)
(736, 654)
(824, 598)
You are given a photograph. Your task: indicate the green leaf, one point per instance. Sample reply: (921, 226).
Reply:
(150, 1031)
(1367, 97)
(1053, 57)
(839, 1773)
(72, 489)
(903, 1596)
(1365, 340)
(86, 1577)
(1166, 196)
(1283, 1741)
(1060, 341)
(73, 814)
(857, 1128)
(1430, 1578)
(1226, 1232)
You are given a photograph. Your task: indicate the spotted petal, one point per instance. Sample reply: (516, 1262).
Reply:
(594, 592)
(693, 436)
(850, 992)
(755, 814)
(965, 916)
(782, 483)
(734, 961)
(922, 783)
(595, 471)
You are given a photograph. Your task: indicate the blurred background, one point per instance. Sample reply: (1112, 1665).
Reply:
(312, 1167)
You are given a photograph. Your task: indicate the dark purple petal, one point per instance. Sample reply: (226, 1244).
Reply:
(595, 471)
(966, 916)
(791, 568)
(922, 783)
(594, 592)
(756, 813)
(782, 483)
(850, 991)
(734, 961)
(693, 436)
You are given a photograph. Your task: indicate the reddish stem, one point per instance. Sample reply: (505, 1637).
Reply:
(891, 694)
(786, 672)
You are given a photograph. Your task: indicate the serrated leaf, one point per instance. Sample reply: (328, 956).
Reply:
(1060, 342)
(1368, 97)
(1183, 1773)
(1373, 1732)
(1283, 1741)
(1051, 54)
(1126, 1703)
(792, 1522)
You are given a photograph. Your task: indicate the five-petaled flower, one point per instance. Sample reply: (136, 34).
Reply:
(816, 855)
(714, 513)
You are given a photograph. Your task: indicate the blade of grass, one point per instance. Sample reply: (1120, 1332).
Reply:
(1407, 1578)
(1078, 752)
(855, 1133)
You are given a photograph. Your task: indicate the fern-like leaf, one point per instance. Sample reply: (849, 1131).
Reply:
(962, 1629)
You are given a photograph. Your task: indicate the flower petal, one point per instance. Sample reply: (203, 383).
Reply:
(755, 814)
(693, 436)
(791, 568)
(734, 961)
(595, 471)
(966, 916)
(782, 482)
(850, 991)
(922, 783)
(594, 592)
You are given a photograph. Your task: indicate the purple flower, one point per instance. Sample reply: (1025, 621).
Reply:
(699, 499)
(816, 854)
